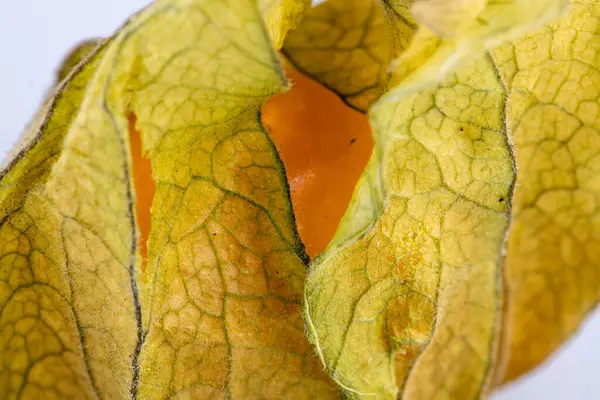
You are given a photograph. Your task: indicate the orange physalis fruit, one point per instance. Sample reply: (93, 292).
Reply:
(324, 145)
(145, 187)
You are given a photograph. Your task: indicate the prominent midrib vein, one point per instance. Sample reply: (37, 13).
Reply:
(135, 371)
(498, 343)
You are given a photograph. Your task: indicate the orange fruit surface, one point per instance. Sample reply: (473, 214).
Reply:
(324, 145)
(145, 187)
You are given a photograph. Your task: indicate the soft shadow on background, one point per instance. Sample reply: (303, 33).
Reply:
(36, 34)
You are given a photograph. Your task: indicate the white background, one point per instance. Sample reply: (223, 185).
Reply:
(36, 34)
